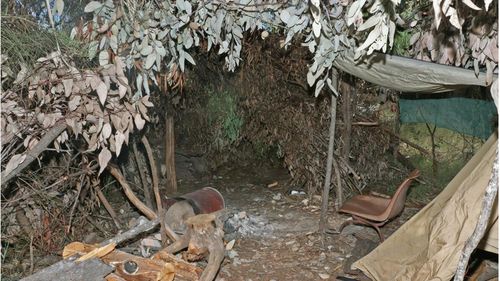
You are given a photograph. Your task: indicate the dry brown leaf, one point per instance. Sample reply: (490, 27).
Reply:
(104, 157)
(116, 121)
(122, 90)
(102, 91)
(119, 139)
(106, 131)
(74, 102)
(68, 86)
(14, 161)
(139, 122)
(143, 110)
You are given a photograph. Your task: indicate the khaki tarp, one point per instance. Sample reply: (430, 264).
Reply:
(429, 245)
(409, 75)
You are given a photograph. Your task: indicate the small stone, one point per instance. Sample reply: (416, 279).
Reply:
(324, 276)
(242, 215)
(295, 248)
(90, 238)
(322, 256)
(290, 242)
(132, 222)
(230, 245)
(305, 202)
(232, 254)
(277, 197)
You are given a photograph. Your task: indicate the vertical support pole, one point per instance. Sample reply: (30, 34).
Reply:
(170, 154)
(432, 132)
(329, 161)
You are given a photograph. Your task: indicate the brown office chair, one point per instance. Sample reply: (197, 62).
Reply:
(376, 211)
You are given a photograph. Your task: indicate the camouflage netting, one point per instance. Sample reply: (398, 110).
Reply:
(279, 112)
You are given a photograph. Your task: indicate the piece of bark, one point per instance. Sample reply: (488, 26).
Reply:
(184, 270)
(145, 185)
(68, 270)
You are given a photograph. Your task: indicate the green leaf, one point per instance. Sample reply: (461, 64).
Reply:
(59, 7)
(103, 57)
(93, 49)
(150, 60)
(113, 43)
(372, 21)
(92, 6)
(146, 50)
(189, 58)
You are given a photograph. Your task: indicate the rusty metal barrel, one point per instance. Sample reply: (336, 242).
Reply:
(203, 201)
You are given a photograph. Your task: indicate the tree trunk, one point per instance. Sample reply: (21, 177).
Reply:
(170, 155)
(347, 113)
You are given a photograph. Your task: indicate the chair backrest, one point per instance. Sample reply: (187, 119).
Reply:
(398, 199)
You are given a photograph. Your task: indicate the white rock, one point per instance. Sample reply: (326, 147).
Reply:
(324, 276)
(150, 243)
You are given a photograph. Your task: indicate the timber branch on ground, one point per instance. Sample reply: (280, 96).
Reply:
(203, 239)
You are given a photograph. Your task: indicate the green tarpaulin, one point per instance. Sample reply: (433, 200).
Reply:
(465, 115)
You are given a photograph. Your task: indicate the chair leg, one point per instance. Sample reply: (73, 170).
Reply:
(373, 225)
(380, 235)
(346, 223)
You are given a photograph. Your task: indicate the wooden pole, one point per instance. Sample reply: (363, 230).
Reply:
(170, 154)
(347, 112)
(329, 161)
(484, 217)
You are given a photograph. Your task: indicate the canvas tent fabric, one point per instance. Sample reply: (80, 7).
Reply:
(409, 75)
(429, 245)
(465, 115)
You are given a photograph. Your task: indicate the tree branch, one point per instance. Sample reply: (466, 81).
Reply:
(32, 154)
(329, 161)
(484, 216)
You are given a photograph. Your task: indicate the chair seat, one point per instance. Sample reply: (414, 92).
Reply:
(367, 207)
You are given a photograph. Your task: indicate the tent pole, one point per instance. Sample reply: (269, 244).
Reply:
(484, 216)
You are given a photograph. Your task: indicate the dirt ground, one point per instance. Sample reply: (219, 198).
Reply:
(276, 235)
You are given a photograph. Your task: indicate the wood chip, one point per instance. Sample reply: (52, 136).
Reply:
(272, 184)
